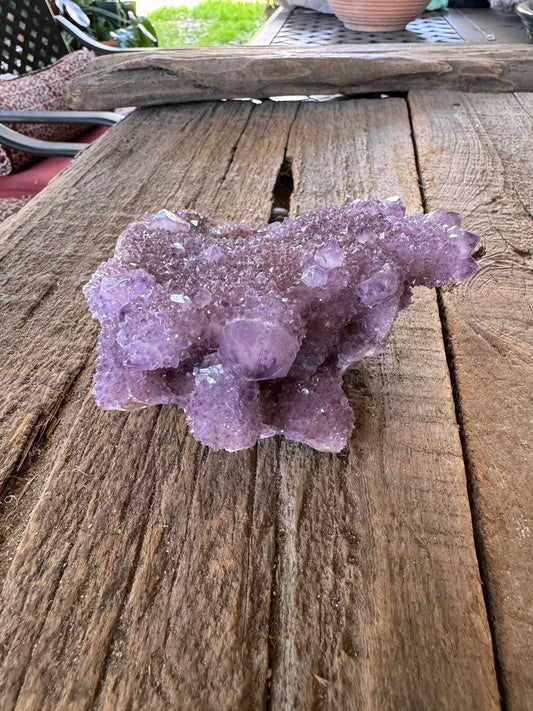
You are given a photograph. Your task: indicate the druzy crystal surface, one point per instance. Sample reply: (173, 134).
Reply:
(250, 331)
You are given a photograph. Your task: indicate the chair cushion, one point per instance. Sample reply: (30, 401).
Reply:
(41, 91)
(36, 177)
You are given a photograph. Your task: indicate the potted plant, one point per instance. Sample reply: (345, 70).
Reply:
(110, 21)
(377, 15)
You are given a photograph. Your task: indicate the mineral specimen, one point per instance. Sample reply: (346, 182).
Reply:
(250, 330)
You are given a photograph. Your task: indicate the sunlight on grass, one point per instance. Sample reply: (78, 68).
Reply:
(211, 22)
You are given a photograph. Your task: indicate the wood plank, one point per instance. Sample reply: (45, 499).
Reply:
(135, 523)
(475, 155)
(178, 75)
(39, 364)
(378, 598)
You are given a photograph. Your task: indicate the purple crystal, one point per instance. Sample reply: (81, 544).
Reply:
(329, 256)
(256, 349)
(250, 330)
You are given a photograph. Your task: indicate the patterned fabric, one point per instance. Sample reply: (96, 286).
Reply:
(40, 91)
(5, 163)
(8, 206)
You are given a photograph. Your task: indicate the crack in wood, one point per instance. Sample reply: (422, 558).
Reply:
(274, 597)
(420, 180)
(284, 186)
(282, 193)
(481, 251)
(250, 508)
(470, 486)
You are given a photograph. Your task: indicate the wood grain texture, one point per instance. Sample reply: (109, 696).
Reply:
(475, 157)
(178, 75)
(142, 571)
(378, 593)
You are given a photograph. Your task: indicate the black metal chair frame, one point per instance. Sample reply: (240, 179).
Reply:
(30, 39)
(13, 139)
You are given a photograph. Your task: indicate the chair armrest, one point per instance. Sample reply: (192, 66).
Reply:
(11, 138)
(105, 118)
(86, 41)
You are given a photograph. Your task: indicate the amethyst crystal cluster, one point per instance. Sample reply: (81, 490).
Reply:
(249, 331)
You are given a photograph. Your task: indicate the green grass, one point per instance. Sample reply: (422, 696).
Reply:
(209, 23)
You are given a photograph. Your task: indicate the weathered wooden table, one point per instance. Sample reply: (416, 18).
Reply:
(139, 570)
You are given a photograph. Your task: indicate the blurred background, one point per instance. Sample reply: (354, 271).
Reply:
(173, 23)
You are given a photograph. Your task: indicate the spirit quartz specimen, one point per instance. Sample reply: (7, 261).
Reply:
(250, 331)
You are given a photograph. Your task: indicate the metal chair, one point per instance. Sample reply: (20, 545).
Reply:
(30, 39)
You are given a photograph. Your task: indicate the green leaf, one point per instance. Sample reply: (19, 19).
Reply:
(76, 13)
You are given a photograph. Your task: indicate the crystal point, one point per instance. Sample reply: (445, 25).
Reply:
(250, 330)
(257, 350)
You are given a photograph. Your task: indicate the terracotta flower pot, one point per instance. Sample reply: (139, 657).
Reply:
(377, 15)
